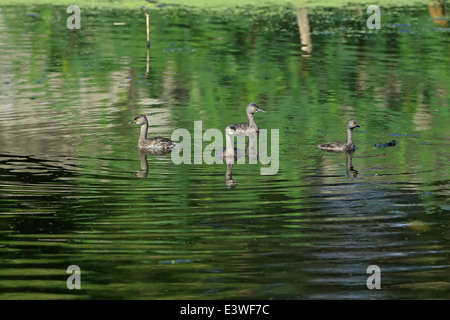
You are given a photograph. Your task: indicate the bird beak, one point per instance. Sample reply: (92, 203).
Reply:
(358, 125)
(132, 122)
(259, 110)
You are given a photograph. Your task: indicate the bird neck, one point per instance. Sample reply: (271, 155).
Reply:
(229, 151)
(251, 120)
(349, 137)
(144, 128)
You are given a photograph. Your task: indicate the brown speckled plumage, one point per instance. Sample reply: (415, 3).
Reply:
(339, 146)
(154, 144)
(249, 127)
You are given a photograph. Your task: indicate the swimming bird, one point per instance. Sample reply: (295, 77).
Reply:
(246, 128)
(342, 147)
(158, 144)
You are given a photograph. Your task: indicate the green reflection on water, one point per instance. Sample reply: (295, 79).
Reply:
(68, 158)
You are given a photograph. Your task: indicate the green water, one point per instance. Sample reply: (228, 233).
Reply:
(75, 191)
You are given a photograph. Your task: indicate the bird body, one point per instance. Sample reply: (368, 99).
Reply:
(152, 144)
(246, 128)
(339, 146)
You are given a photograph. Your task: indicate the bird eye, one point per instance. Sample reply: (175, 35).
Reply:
(254, 108)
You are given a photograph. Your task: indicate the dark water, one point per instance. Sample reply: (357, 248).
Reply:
(75, 191)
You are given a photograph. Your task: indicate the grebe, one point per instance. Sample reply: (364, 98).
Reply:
(342, 147)
(247, 128)
(154, 144)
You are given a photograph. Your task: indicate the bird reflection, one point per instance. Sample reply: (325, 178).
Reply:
(143, 153)
(231, 155)
(229, 181)
(351, 172)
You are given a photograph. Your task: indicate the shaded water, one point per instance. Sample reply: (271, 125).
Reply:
(75, 191)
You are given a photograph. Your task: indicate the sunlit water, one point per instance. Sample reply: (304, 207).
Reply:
(75, 190)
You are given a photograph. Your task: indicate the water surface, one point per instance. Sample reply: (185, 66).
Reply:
(75, 190)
